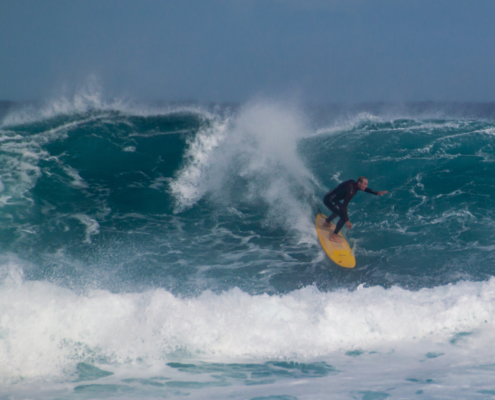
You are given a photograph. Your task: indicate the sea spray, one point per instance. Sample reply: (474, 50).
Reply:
(252, 159)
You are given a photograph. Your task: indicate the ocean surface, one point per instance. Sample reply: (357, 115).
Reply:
(168, 250)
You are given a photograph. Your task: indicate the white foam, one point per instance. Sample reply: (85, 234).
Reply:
(191, 184)
(91, 225)
(77, 182)
(89, 98)
(45, 329)
(251, 157)
(20, 157)
(348, 124)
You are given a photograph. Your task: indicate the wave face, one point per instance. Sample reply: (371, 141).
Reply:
(170, 250)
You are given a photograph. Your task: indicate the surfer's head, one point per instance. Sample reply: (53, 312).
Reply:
(362, 183)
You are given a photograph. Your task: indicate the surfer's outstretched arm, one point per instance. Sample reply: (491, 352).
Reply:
(369, 190)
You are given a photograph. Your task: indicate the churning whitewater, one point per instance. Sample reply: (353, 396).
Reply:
(167, 250)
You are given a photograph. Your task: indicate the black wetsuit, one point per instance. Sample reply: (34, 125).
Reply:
(345, 191)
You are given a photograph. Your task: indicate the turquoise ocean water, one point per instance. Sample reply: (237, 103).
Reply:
(169, 251)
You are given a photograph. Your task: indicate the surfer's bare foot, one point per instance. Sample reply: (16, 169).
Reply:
(336, 238)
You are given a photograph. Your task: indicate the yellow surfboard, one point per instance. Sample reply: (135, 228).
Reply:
(339, 253)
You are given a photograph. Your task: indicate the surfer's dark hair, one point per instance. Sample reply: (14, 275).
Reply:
(361, 178)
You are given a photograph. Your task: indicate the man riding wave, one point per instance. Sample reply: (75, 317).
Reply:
(345, 191)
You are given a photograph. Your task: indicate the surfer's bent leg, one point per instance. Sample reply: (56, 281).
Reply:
(331, 218)
(339, 226)
(336, 208)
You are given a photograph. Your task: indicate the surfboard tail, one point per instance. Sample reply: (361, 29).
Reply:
(339, 253)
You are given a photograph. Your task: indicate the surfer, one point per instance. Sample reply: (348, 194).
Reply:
(345, 191)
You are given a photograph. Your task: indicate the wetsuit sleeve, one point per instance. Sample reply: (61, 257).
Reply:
(368, 190)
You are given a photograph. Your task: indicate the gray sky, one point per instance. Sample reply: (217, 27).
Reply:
(208, 50)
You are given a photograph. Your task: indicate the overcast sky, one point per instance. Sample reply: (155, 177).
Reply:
(209, 50)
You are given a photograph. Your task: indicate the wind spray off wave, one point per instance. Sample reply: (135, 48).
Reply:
(251, 159)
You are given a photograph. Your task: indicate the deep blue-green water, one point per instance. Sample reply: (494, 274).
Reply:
(151, 251)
